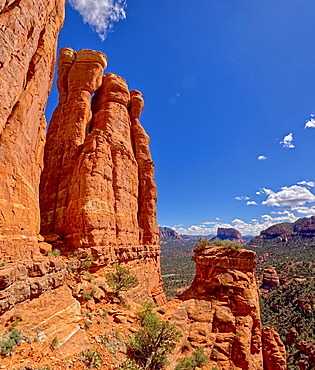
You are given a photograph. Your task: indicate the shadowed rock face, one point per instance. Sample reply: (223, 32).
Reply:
(28, 38)
(97, 190)
(220, 311)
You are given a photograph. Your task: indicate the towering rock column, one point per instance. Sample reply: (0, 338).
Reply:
(97, 189)
(149, 231)
(28, 38)
(79, 76)
(103, 193)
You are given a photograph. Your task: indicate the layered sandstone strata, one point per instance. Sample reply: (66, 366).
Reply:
(22, 281)
(220, 311)
(28, 38)
(97, 191)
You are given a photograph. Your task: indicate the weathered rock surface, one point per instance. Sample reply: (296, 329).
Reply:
(220, 311)
(54, 314)
(28, 38)
(21, 281)
(97, 191)
(273, 350)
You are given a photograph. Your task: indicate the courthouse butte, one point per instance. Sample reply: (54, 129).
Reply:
(88, 190)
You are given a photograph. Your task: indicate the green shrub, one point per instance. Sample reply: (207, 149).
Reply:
(11, 338)
(86, 295)
(128, 364)
(199, 359)
(92, 358)
(121, 280)
(186, 363)
(229, 244)
(151, 344)
(55, 343)
(202, 242)
(53, 253)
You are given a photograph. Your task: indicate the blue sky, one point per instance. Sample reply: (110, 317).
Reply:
(229, 87)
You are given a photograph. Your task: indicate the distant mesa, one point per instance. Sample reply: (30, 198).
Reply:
(229, 234)
(303, 228)
(167, 234)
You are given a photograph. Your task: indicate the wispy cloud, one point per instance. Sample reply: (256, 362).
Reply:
(290, 196)
(308, 184)
(241, 198)
(306, 211)
(287, 141)
(262, 157)
(251, 203)
(264, 191)
(311, 122)
(100, 14)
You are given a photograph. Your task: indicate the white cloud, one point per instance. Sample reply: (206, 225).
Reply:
(253, 227)
(287, 216)
(241, 198)
(290, 196)
(308, 211)
(262, 157)
(310, 123)
(287, 141)
(251, 203)
(264, 191)
(100, 14)
(309, 184)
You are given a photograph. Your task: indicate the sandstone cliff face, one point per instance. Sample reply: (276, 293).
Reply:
(220, 311)
(28, 37)
(97, 191)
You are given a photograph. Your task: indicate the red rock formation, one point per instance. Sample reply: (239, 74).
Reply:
(28, 37)
(273, 350)
(21, 281)
(79, 76)
(166, 234)
(270, 278)
(220, 311)
(231, 234)
(147, 189)
(97, 189)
